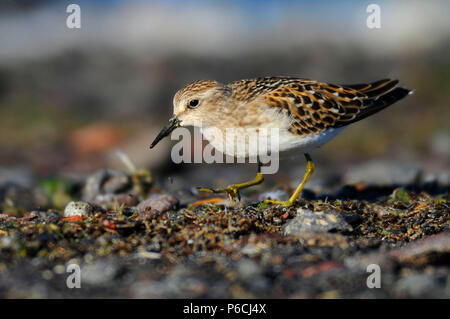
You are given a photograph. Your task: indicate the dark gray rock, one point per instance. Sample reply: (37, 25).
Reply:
(322, 221)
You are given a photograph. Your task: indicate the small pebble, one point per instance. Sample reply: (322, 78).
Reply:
(156, 204)
(78, 209)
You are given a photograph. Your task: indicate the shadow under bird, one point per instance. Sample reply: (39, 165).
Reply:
(306, 113)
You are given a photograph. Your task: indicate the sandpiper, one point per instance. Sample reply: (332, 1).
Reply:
(307, 113)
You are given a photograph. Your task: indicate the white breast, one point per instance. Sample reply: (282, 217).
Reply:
(249, 142)
(272, 134)
(307, 143)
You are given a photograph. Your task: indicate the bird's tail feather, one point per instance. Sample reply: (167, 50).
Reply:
(379, 95)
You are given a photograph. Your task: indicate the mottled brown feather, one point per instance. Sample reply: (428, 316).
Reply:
(316, 106)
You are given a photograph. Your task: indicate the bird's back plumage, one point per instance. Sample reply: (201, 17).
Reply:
(316, 106)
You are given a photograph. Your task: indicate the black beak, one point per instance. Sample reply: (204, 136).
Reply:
(173, 124)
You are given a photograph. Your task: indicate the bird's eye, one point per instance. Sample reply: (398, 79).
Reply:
(193, 103)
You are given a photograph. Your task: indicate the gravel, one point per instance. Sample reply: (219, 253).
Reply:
(318, 248)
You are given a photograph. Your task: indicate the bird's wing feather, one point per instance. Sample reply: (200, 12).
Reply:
(317, 106)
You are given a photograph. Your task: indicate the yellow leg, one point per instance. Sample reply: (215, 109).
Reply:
(233, 190)
(310, 167)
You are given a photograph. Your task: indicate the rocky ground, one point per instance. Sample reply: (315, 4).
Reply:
(134, 240)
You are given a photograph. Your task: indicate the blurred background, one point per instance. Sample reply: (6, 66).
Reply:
(70, 97)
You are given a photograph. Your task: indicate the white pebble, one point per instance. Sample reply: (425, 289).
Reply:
(77, 209)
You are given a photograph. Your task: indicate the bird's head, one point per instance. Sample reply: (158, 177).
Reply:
(200, 104)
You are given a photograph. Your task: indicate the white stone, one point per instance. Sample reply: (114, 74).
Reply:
(77, 209)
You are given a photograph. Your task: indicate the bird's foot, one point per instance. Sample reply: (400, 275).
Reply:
(232, 191)
(282, 203)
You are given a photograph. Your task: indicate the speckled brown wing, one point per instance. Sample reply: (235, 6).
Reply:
(315, 106)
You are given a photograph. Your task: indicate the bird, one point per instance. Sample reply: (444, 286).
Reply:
(307, 114)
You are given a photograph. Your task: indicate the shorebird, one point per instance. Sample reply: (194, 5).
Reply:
(307, 113)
